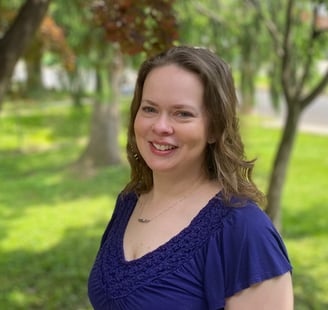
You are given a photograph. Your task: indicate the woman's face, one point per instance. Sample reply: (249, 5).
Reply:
(171, 126)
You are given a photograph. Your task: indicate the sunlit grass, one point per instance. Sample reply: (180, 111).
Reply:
(27, 232)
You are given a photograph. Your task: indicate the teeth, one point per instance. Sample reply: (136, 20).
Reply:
(161, 147)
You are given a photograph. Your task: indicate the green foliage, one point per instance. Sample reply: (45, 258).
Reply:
(75, 18)
(7, 5)
(51, 218)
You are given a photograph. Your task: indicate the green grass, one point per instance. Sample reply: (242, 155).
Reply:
(51, 219)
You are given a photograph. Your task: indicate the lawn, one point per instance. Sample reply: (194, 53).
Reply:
(51, 218)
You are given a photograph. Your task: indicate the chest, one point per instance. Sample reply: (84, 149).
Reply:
(164, 225)
(142, 238)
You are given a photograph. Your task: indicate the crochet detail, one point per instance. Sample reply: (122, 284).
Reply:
(120, 277)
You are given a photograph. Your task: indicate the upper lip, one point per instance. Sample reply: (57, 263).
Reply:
(162, 143)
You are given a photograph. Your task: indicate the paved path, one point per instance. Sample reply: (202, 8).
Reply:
(313, 119)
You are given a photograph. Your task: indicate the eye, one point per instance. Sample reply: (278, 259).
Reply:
(184, 114)
(148, 109)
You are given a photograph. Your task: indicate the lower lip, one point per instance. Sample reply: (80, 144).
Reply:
(159, 152)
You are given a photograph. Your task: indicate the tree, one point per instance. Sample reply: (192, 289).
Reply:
(130, 27)
(291, 51)
(299, 43)
(51, 38)
(138, 26)
(48, 38)
(103, 146)
(17, 37)
(85, 40)
(233, 30)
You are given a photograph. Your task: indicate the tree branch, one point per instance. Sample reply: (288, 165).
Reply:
(17, 37)
(309, 59)
(270, 25)
(315, 91)
(286, 73)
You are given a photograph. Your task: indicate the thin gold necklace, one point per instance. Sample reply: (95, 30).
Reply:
(145, 220)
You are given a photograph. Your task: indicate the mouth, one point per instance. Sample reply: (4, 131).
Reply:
(163, 147)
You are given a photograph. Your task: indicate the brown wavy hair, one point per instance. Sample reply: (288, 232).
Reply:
(225, 159)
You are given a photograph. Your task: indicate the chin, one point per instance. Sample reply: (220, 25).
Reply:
(162, 169)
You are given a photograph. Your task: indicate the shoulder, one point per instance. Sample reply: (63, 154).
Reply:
(248, 228)
(124, 197)
(124, 201)
(248, 217)
(239, 215)
(235, 217)
(247, 249)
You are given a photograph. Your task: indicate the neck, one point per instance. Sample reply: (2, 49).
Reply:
(172, 186)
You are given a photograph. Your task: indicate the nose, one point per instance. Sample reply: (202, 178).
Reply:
(162, 125)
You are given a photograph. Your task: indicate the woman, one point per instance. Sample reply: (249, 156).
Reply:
(187, 232)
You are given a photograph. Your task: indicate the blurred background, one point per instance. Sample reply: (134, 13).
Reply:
(67, 74)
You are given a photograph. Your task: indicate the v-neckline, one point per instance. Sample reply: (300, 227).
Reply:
(174, 239)
(124, 276)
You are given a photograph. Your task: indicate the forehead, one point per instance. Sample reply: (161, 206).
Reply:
(172, 82)
(173, 71)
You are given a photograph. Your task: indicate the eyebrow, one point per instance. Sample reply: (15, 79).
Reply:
(148, 101)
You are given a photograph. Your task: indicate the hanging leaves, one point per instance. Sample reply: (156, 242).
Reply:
(144, 25)
(53, 39)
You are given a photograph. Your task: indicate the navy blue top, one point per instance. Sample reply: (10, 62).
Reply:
(223, 251)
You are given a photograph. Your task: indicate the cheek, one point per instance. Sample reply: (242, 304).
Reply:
(138, 125)
(197, 138)
(140, 131)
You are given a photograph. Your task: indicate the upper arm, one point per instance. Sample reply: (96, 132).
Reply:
(272, 294)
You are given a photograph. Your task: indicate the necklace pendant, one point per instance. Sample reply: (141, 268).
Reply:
(143, 220)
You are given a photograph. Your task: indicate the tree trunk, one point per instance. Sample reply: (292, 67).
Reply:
(249, 65)
(76, 86)
(275, 84)
(33, 57)
(295, 58)
(103, 147)
(17, 37)
(279, 169)
(247, 87)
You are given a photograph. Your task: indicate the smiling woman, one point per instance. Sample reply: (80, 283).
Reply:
(187, 232)
(171, 123)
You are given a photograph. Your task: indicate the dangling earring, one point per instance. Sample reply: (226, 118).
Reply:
(136, 156)
(134, 153)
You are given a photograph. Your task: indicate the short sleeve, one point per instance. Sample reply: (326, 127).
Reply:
(247, 250)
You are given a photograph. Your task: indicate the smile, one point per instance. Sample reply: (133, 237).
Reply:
(163, 147)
